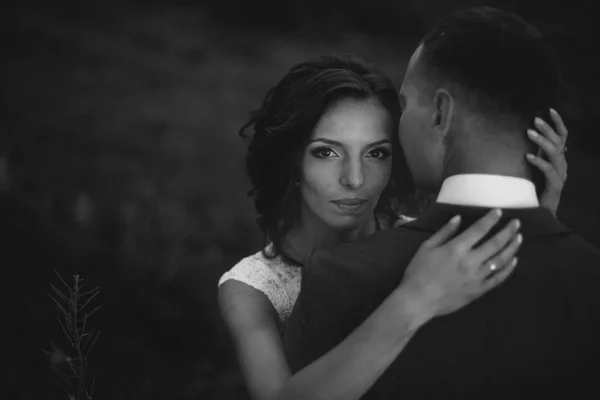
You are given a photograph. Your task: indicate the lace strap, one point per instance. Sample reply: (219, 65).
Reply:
(255, 273)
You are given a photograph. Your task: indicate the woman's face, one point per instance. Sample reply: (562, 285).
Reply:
(347, 164)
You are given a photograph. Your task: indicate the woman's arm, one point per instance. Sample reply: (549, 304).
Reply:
(252, 323)
(345, 372)
(443, 276)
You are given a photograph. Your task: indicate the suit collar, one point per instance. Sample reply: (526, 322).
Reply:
(534, 221)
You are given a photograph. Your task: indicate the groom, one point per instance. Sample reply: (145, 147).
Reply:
(470, 90)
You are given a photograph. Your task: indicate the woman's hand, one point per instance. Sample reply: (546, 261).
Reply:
(445, 275)
(554, 146)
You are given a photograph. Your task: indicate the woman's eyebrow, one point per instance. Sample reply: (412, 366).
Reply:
(336, 143)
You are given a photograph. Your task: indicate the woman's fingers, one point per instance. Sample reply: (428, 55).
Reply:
(499, 277)
(497, 243)
(445, 233)
(551, 149)
(554, 152)
(503, 258)
(561, 128)
(554, 176)
(449, 276)
(466, 240)
(547, 132)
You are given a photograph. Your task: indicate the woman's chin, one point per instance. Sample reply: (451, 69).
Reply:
(348, 222)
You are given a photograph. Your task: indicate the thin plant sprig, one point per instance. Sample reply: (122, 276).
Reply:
(74, 303)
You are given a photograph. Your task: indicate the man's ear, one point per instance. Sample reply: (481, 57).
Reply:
(443, 113)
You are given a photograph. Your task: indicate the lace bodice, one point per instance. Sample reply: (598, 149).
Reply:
(279, 281)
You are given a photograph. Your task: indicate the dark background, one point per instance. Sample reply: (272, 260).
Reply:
(120, 160)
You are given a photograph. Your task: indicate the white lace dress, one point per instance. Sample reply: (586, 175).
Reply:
(279, 281)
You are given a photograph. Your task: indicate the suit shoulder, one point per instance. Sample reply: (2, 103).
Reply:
(372, 253)
(575, 248)
(577, 263)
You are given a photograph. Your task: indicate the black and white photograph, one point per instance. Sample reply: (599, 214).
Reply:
(300, 200)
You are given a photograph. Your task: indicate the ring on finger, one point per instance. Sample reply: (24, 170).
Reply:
(492, 266)
(564, 149)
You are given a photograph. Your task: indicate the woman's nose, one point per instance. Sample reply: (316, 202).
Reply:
(352, 176)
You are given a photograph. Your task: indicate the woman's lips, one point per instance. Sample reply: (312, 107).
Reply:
(350, 205)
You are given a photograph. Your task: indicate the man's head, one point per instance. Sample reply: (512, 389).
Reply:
(472, 87)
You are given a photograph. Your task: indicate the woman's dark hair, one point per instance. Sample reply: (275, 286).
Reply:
(284, 124)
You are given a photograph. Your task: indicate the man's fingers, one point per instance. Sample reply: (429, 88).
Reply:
(445, 233)
(497, 243)
(478, 230)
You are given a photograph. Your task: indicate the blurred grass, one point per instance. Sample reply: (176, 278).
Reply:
(126, 167)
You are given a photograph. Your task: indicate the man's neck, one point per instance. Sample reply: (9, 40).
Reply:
(480, 164)
(480, 147)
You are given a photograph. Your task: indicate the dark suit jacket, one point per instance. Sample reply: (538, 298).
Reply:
(535, 335)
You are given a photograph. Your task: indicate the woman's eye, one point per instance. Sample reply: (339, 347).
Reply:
(380, 154)
(323, 152)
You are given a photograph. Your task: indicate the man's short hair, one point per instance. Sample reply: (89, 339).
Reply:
(498, 63)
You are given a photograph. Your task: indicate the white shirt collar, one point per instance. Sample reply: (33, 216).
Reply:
(490, 191)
